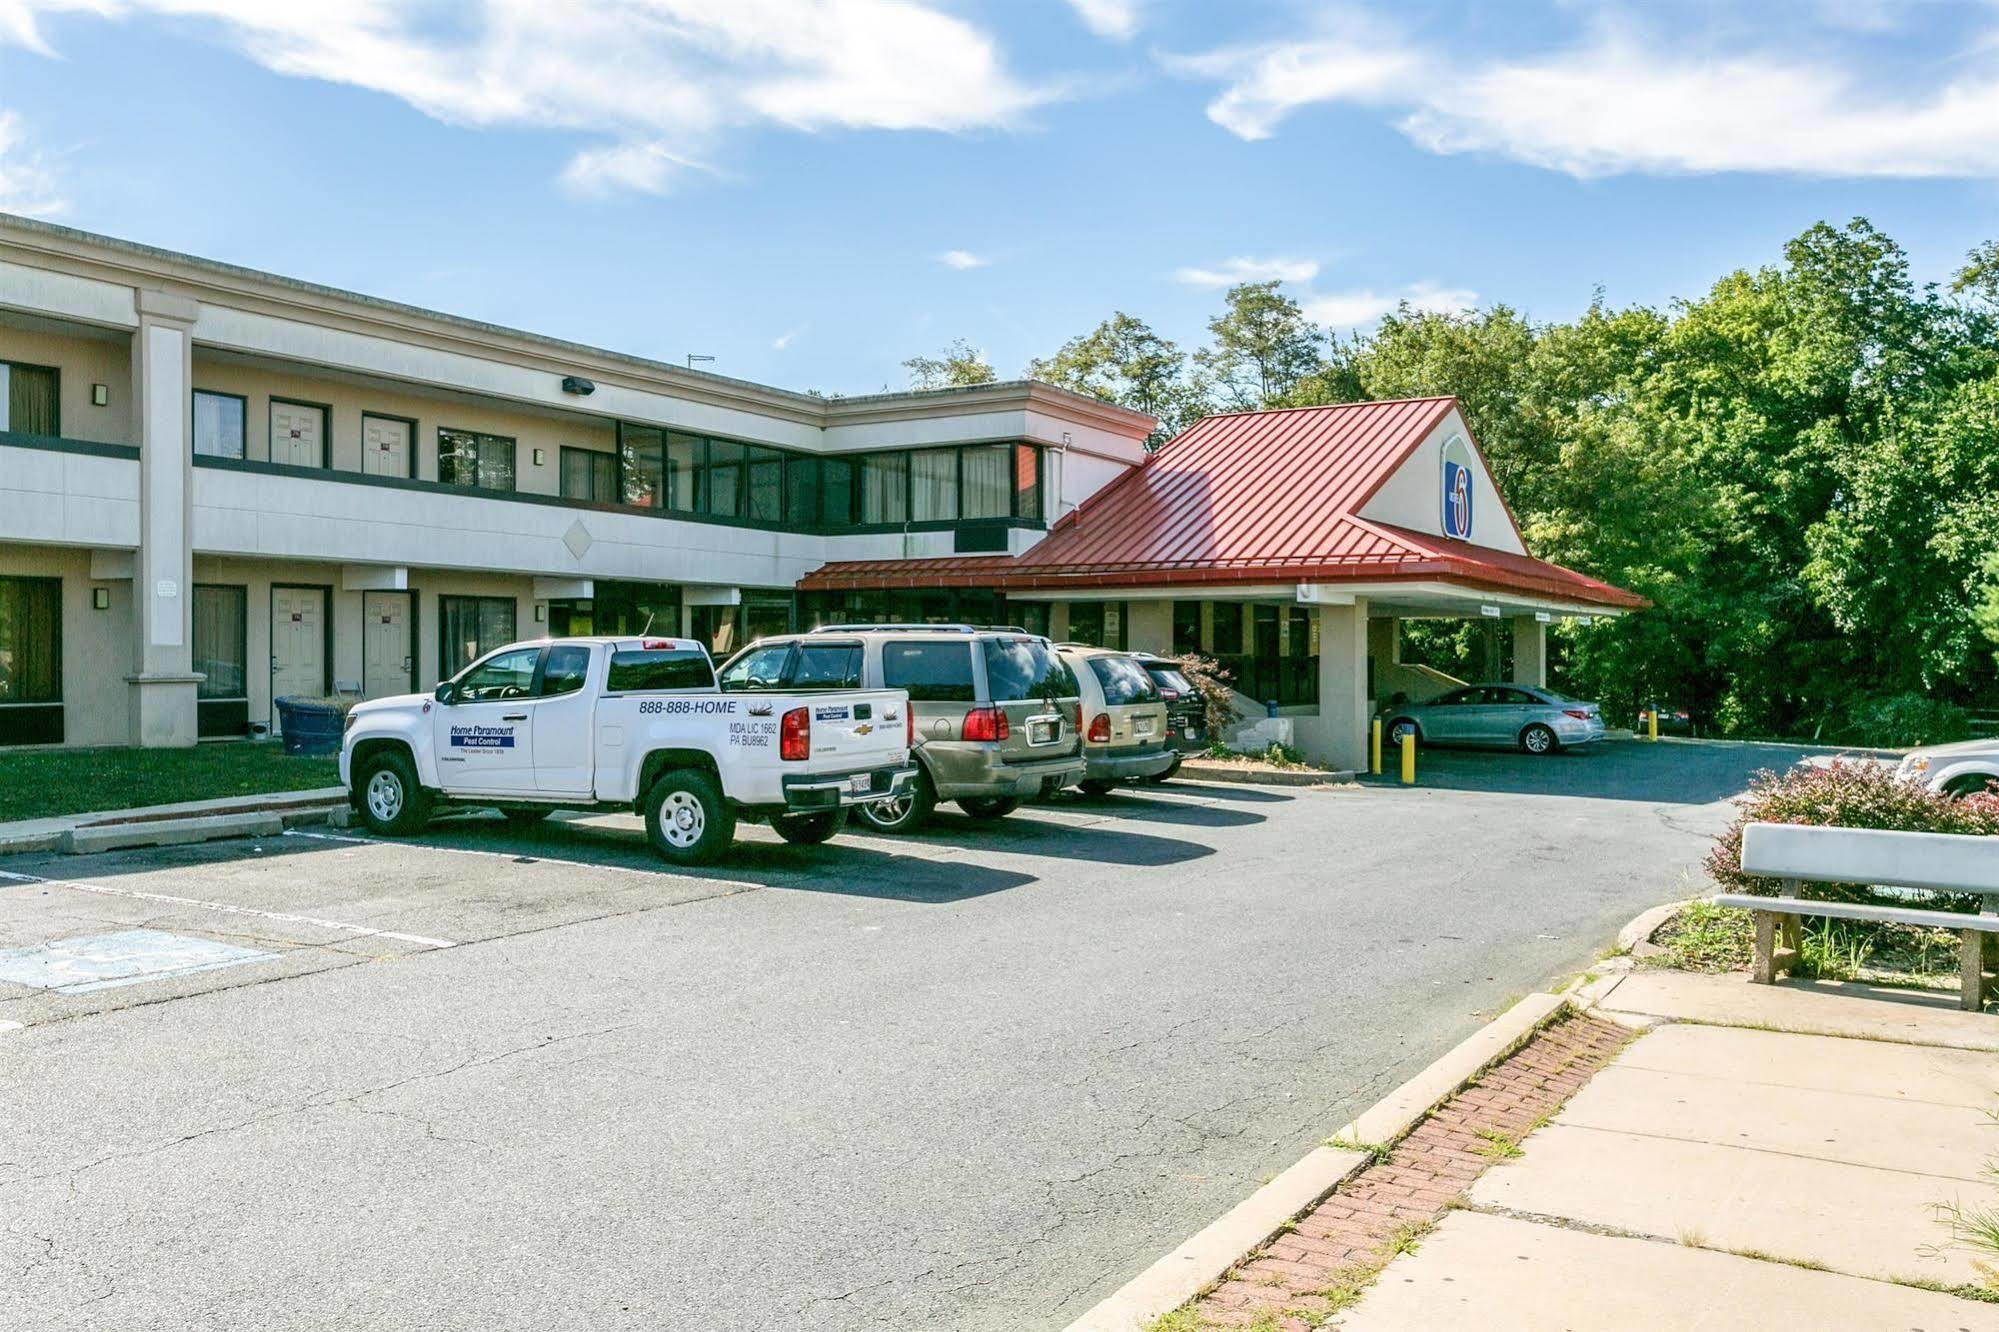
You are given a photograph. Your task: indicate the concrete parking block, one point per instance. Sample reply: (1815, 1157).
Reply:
(1915, 1017)
(1821, 1063)
(170, 832)
(1853, 1219)
(1855, 1127)
(1502, 1275)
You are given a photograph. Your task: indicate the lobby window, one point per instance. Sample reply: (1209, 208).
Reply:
(1027, 482)
(836, 492)
(30, 398)
(1228, 628)
(30, 661)
(222, 656)
(801, 490)
(469, 628)
(766, 485)
(590, 475)
(884, 488)
(1086, 623)
(642, 464)
(1186, 627)
(988, 481)
(468, 458)
(218, 424)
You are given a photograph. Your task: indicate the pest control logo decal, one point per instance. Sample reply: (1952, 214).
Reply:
(482, 737)
(1457, 488)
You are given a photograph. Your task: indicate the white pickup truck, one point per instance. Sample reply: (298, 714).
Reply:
(626, 724)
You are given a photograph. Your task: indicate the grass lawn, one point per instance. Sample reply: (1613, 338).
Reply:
(39, 783)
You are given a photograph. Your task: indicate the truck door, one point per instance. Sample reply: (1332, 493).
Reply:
(484, 737)
(563, 724)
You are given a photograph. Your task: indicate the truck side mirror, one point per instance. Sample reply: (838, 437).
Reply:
(446, 694)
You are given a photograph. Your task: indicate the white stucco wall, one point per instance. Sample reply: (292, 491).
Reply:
(1413, 497)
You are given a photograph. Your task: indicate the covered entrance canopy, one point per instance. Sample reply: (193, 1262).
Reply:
(1317, 519)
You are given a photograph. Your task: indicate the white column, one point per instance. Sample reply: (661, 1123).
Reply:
(163, 685)
(1151, 627)
(1530, 652)
(1337, 737)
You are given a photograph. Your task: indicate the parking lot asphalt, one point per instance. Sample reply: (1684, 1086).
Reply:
(975, 1078)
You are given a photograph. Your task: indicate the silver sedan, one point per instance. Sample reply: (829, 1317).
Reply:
(1539, 721)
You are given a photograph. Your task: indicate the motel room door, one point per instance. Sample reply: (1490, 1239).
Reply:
(388, 664)
(298, 644)
(298, 434)
(385, 446)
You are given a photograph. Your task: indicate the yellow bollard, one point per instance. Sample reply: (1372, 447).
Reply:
(1652, 724)
(1374, 748)
(1408, 758)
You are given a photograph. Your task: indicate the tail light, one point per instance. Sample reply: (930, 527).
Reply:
(794, 735)
(1579, 714)
(908, 725)
(1076, 716)
(1169, 694)
(986, 724)
(1100, 729)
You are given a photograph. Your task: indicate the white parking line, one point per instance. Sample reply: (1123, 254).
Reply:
(364, 931)
(517, 857)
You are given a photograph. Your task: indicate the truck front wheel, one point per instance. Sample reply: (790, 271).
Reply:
(687, 820)
(388, 797)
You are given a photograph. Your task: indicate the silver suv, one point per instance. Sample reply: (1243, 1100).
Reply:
(997, 712)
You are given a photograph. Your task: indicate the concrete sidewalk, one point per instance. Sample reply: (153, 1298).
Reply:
(190, 820)
(1760, 1155)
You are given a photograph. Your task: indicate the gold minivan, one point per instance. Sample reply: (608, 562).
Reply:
(1124, 718)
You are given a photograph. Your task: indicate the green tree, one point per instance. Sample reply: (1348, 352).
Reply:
(1262, 346)
(961, 365)
(1123, 361)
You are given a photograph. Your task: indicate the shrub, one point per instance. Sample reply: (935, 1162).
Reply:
(1211, 678)
(1901, 719)
(1845, 794)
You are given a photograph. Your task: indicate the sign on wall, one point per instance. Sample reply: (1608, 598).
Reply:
(1457, 488)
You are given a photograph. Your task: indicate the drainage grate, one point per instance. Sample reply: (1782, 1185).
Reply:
(100, 961)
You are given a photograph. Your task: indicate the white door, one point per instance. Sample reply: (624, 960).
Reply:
(484, 737)
(298, 644)
(385, 446)
(386, 648)
(298, 434)
(564, 738)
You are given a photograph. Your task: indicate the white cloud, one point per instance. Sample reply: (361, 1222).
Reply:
(1243, 268)
(27, 184)
(962, 260)
(1620, 102)
(660, 82)
(1116, 19)
(1360, 308)
(783, 340)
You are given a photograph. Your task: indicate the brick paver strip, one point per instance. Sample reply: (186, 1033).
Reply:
(1351, 1231)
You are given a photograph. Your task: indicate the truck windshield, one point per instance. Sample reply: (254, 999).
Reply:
(637, 672)
(1023, 668)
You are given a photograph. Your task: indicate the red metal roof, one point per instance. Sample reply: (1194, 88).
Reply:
(1256, 496)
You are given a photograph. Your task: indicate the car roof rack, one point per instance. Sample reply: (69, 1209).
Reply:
(894, 629)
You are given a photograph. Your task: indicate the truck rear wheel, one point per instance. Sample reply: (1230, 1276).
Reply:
(388, 797)
(809, 829)
(687, 820)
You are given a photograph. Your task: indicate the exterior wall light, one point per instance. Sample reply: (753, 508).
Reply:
(100, 598)
(578, 385)
(100, 395)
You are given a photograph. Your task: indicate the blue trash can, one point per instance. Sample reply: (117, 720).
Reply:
(312, 726)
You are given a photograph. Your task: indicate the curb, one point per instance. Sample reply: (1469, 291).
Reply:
(1223, 772)
(1257, 1219)
(171, 825)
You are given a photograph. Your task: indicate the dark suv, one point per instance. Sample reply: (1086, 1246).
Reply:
(1186, 709)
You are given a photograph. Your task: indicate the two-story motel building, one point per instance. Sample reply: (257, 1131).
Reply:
(219, 487)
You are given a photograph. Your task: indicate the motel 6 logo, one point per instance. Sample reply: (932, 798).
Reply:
(1457, 488)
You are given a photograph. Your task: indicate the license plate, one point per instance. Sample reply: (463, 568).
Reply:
(1141, 726)
(859, 782)
(1041, 733)
(1193, 733)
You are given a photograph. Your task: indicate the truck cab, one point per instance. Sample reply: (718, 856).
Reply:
(625, 724)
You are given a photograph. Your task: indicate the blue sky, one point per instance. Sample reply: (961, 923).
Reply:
(813, 190)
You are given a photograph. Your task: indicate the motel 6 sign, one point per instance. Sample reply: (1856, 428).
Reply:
(1457, 488)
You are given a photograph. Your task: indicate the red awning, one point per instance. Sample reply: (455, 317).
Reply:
(1251, 498)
